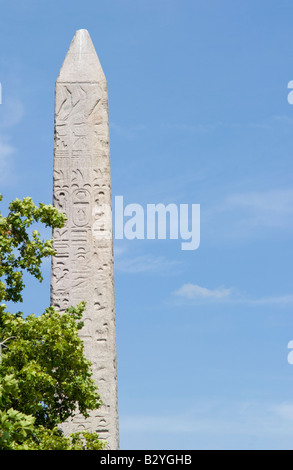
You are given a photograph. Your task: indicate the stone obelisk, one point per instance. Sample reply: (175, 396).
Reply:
(83, 267)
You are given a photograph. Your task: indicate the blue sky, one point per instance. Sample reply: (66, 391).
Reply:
(198, 114)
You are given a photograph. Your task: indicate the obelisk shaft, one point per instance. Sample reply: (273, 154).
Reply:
(83, 267)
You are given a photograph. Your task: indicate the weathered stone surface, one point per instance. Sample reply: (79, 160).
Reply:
(83, 268)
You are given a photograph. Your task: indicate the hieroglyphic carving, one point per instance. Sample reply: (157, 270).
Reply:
(83, 267)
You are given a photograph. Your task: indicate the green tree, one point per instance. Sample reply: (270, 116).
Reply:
(44, 377)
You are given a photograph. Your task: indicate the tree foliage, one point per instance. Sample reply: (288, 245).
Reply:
(44, 377)
(21, 250)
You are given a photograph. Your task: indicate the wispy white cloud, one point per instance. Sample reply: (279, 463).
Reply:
(267, 124)
(248, 215)
(284, 410)
(280, 300)
(6, 152)
(119, 249)
(268, 208)
(195, 293)
(11, 113)
(237, 422)
(127, 132)
(271, 122)
(134, 261)
(145, 264)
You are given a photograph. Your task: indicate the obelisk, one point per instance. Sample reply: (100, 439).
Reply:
(83, 268)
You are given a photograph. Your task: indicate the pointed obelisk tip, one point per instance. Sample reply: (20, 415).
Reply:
(81, 63)
(82, 37)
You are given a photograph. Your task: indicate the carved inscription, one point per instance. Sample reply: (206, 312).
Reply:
(82, 269)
